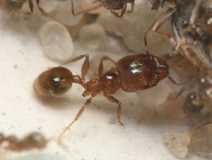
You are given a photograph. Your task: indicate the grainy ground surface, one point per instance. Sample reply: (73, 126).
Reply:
(96, 136)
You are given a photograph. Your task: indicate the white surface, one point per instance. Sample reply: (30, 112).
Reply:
(95, 136)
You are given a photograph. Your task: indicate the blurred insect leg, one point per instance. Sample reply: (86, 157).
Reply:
(175, 82)
(90, 7)
(86, 64)
(31, 6)
(132, 6)
(157, 25)
(119, 109)
(121, 13)
(68, 128)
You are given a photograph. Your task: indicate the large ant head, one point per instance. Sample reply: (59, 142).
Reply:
(53, 82)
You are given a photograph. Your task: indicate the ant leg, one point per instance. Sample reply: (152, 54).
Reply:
(90, 7)
(174, 81)
(123, 10)
(31, 6)
(119, 109)
(40, 8)
(101, 65)
(86, 64)
(68, 127)
(157, 25)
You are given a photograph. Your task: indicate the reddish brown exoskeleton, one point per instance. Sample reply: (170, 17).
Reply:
(117, 7)
(131, 73)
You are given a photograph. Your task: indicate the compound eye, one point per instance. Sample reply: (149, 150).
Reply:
(56, 81)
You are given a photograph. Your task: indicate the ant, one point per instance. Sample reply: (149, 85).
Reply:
(31, 141)
(131, 73)
(191, 29)
(117, 7)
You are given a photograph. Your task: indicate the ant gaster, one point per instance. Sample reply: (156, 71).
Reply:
(131, 73)
(117, 7)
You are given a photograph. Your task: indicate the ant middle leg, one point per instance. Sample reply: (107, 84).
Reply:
(119, 109)
(101, 64)
(157, 25)
(68, 127)
(31, 6)
(90, 7)
(86, 64)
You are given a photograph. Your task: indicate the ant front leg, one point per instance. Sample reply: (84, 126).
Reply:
(157, 25)
(90, 7)
(119, 109)
(68, 127)
(86, 64)
(101, 64)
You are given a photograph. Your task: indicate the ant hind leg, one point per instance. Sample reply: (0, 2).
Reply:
(101, 64)
(119, 109)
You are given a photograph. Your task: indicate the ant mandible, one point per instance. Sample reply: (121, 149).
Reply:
(131, 73)
(117, 7)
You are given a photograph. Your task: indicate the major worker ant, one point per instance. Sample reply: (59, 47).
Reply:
(117, 7)
(131, 73)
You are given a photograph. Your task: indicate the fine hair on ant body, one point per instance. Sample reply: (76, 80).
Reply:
(117, 7)
(131, 73)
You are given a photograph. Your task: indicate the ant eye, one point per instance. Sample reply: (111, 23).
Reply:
(56, 81)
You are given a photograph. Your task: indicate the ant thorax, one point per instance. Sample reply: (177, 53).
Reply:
(107, 84)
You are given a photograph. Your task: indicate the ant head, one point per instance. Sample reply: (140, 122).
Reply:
(53, 82)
